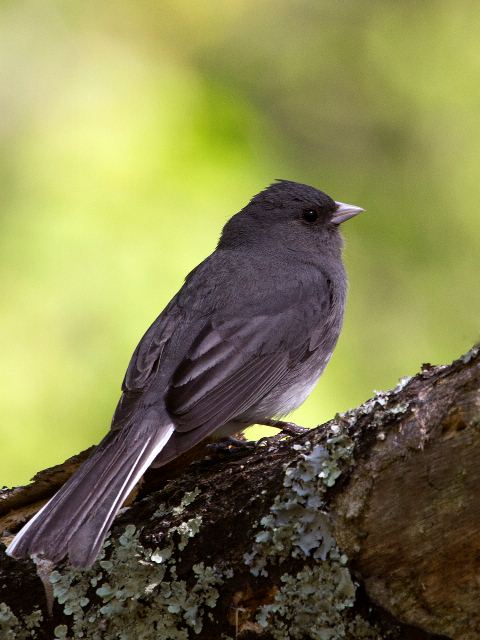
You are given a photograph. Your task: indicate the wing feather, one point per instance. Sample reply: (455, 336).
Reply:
(219, 379)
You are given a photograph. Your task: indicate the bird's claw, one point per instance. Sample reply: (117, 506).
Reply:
(286, 428)
(231, 447)
(234, 448)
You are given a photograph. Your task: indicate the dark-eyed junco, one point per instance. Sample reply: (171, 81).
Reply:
(243, 341)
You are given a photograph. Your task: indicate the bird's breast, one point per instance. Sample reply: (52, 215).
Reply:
(293, 389)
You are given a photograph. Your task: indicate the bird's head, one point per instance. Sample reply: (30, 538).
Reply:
(299, 217)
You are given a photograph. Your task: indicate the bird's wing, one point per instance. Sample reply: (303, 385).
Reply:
(235, 354)
(165, 341)
(144, 365)
(232, 365)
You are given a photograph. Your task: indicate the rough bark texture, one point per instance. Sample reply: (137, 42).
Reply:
(366, 527)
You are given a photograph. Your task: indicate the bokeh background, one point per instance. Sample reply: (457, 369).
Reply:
(130, 131)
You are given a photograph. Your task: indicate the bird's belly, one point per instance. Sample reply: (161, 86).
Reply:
(293, 396)
(290, 393)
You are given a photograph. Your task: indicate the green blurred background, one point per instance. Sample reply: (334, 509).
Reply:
(129, 132)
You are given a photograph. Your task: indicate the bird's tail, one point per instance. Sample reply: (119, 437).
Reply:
(76, 520)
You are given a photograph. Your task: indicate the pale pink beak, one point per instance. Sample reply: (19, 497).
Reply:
(345, 212)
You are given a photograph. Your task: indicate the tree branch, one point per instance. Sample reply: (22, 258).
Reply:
(366, 527)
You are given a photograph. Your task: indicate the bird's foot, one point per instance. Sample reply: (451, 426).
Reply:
(270, 440)
(235, 448)
(286, 428)
(231, 446)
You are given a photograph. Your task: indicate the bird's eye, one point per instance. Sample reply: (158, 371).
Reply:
(310, 216)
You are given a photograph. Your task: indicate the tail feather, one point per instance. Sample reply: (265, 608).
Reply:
(76, 520)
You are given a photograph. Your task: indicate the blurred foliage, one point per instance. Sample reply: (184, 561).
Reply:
(129, 133)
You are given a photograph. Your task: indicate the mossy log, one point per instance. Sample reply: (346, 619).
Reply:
(365, 527)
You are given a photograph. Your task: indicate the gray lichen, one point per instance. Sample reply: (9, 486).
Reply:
(402, 383)
(298, 523)
(311, 602)
(470, 355)
(14, 628)
(380, 408)
(187, 530)
(136, 593)
(188, 498)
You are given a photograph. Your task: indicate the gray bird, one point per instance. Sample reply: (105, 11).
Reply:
(244, 341)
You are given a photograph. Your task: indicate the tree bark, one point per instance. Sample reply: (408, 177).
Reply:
(365, 527)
